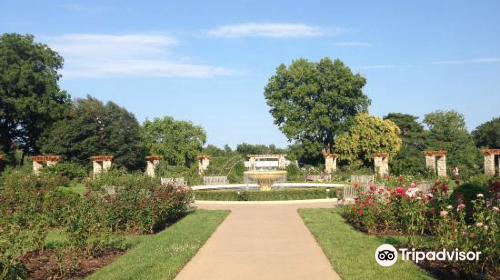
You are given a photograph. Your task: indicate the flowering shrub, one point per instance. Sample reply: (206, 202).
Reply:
(407, 210)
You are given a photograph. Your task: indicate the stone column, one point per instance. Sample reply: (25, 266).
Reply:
(37, 167)
(203, 162)
(251, 159)
(430, 161)
(330, 163)
(381, 163)
(489, 164)
(441, 166)
(282, 162)
(97, 168)
(489, 161)
(152, 162)
(101, 164)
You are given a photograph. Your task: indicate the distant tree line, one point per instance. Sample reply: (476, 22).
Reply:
(320, 107)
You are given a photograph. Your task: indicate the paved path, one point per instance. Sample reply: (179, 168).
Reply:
(262, 242)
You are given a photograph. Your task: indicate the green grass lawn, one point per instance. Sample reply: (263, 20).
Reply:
(352, 253)
(163, 255)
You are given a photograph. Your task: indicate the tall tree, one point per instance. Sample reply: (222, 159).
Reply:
(365, 136)
(30, 98)
(310, 101)
(180, 142)
(487, 135)
(410, 159)
(93, 128)
(447, 131)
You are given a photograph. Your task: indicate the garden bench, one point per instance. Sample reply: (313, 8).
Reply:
(215, 180)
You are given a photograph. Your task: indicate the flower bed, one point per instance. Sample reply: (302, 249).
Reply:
(94, 223)
(408, 211)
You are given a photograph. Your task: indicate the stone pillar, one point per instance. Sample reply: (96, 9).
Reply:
(101, 164)
(441, 166)
(203, 162)
(430, 162)
(38, 162)
(489, 164)
(330, 163)
(381, 163)
(97, 167)
(282, 162)
(37, 167)
(152, 162)
(251, 159)
(489, 161)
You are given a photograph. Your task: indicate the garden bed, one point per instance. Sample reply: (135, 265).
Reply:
(286, 194)
(44, 264)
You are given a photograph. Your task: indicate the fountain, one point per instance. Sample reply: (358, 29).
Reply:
(265, 170)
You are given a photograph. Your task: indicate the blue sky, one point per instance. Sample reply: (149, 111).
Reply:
(208, 61)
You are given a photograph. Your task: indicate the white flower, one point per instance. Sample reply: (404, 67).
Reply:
(485, 226)
(479, 224)
(449, 207)
(443, 213)
(480, 195)
(495, 209)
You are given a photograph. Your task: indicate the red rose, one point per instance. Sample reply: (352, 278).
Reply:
(360, 211)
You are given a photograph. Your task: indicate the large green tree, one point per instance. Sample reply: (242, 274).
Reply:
(447, 131)
(310, 101)
(30, 98)
(364, 137)
(93, 128)
(180, 142)
(410, 159)
(487, 135)
(256, 149)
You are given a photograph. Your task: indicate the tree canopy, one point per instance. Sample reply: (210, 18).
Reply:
(410, 159)
(256, 149)
(487, 135)
(93, 128)
(30, 98)
(364, 137)
(180, 142)
(447, 131)
(310, 101)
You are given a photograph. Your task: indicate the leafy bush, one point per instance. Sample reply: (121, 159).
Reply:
(286, 194)
(69, 170)
(294, 173)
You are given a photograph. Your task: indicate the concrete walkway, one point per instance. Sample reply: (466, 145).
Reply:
(262, 242)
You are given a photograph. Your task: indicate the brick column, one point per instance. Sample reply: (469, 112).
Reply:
(330, 163)
(381, 163)
(152, 162)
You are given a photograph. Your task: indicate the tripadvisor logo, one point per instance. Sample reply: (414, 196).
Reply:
(387, 255)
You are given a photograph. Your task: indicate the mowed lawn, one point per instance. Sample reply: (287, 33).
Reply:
(163, 255)
(352, 253)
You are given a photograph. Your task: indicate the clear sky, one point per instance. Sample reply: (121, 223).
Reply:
(208, 61)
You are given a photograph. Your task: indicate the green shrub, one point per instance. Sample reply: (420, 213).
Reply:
(72, 171)
(294, 173)
(286, 194)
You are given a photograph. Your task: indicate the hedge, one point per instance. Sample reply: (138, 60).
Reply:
(286, 194)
